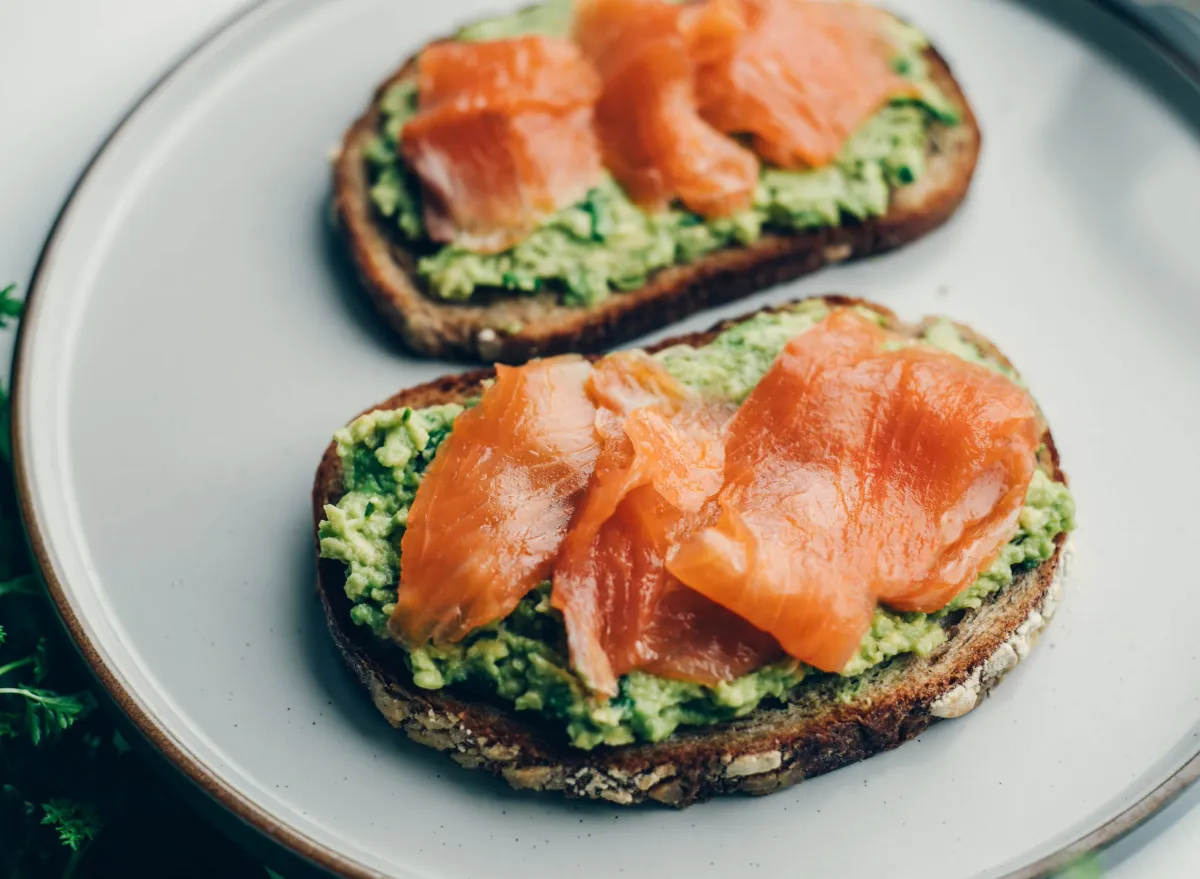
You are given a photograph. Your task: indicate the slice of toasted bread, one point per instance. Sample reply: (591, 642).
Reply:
(475, 329)
(770, 749)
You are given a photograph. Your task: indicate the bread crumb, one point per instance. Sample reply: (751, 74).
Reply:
(395, 710)
(1022, 640)
(501, 753)
(1000, 662)
(754, 764)
(620, 797)
(530, 777)
(668, 793)
(838, 252)
(958, 701)
(488, 343)
(647, 780)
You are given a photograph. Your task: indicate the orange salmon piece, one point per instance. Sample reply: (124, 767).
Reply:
(857, 476)
(801, 78)
(524, 73)
(492, 510)
(661, 460)
(503, 137)
(652, 137)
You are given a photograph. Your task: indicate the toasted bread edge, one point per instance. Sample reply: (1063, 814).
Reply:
(489, 331)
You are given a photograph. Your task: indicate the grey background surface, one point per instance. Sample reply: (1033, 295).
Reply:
(69, 69)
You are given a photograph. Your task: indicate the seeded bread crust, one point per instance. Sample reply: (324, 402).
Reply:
(474, 329)
(774, 747)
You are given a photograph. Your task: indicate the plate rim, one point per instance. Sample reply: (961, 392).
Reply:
(190, 766)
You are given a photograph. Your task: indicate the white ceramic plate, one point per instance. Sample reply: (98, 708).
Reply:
(193, 340)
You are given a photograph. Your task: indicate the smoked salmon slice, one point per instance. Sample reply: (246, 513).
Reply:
(661, 460)
(696, 540)
(503, 137)
(800, 78)
(858, 472)
(518, 74)
(652, 136)
(494, 505)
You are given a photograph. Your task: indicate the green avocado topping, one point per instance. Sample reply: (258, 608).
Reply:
(606, 243)
(522, 660)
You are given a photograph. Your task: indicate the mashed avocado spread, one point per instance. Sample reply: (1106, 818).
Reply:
(522, 660)
(606, 243)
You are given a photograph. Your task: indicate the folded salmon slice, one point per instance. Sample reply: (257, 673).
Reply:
(800, 78)
(503, 137)
(652, 136)
(494, 505)
(520, 74)
(661, 460)
(856, 475)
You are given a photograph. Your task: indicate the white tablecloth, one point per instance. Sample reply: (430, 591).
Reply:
(69, 69)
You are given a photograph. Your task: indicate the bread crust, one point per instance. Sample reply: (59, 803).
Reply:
(772, 748)
(475, 329)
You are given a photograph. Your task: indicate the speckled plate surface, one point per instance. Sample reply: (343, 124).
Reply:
(193, 339)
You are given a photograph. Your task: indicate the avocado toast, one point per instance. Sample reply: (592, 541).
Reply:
(605, 270)
(508, 699)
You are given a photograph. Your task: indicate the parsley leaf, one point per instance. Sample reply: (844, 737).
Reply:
(48, 713)
(76, 824)
(41, 658)
(1087, 867)
(23, 585)
(10, 726)
(9, 307)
